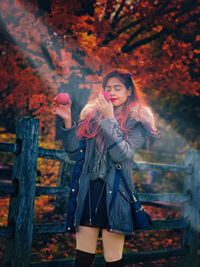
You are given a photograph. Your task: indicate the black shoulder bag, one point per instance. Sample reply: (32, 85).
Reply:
(141, 218)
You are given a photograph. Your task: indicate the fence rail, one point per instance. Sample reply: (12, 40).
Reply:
(23, 190)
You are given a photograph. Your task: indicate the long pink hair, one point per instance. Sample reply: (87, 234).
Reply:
(89, 124)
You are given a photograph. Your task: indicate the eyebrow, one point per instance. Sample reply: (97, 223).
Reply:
(114, 85)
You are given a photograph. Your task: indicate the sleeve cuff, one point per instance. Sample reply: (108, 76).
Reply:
(67, 129)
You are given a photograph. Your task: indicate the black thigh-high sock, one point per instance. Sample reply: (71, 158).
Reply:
(118, 263)
(83, 259)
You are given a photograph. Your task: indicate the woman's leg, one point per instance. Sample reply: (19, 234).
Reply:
(86, 240)
(113, 244)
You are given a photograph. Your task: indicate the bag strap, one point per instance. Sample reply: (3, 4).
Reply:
(121, 173)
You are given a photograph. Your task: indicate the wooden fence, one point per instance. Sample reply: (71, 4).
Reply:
(21, 230)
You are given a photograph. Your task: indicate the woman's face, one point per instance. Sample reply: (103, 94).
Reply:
(118, 91)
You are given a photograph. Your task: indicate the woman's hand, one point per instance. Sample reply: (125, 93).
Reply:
(64, 111)
(105, 107)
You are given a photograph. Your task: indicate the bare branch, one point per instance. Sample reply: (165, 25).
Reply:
(110, 36)
(135, 34)
(127, 49)
(109, 5)
(116, 17)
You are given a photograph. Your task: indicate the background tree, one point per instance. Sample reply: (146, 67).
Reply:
(71, 45)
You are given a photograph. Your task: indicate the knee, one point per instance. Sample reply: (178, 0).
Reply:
(113, 246)
(112, 255)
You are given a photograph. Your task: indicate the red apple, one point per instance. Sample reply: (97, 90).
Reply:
(106, 96)
(62, 98)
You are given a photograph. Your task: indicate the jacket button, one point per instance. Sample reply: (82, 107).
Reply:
(123, 193)
(110, 192)
(73, 189)
(68, 228)
(81, 150)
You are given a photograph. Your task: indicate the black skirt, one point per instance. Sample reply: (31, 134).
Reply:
(95, 211)
(99, 217)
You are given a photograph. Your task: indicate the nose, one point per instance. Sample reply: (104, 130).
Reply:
(111, 91)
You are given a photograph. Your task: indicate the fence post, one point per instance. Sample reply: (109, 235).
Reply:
(21, 209)
(191, 209)
(64, 181)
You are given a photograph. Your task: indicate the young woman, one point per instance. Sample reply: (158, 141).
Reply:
(114, 130)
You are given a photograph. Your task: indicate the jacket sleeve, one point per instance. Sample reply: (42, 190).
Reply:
(70, 140)
(121, 149)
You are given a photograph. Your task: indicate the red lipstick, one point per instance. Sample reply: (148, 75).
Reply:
(113, 99)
